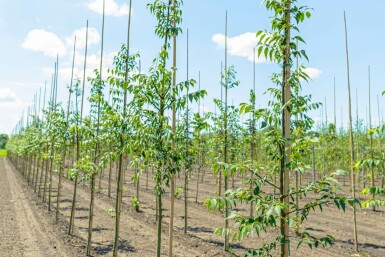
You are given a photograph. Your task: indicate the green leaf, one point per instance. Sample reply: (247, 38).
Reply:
(256, 190)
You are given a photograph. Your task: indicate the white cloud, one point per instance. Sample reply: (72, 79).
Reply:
(313, 72)
(8, 99)
(7, 96)
(242, 45)
(50, 44)
(93, 38)
(111, 7)
(43, 41)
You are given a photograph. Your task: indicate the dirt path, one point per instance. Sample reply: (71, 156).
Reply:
(23, 232)
(138, 231)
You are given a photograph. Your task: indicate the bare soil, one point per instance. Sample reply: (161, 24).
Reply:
(28, 229)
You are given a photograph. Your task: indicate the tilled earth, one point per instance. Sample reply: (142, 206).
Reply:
(27, 228)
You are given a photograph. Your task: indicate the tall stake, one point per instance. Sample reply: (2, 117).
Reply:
(252, 142)
(78, 139)
(353, 184)
(335, 102)
(41, 130)
(371, 139)
(380, 141)
(199, 154)
(221, 133)
(94, 173)
(335, 125)
(53, 140)
(172, 186)
(225, 142)
(119, 184)
(64, 150)
(358, 138)
(326, 113)
(187, 163)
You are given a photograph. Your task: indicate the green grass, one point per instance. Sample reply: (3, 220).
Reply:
(3, 153)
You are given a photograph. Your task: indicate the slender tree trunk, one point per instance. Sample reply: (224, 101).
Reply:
(109, 178)
(284, 176)
(160, 213)
(50, 182)
(198, 171)
(137, 182)
(185, 200)
(91, 215)
(34, 171)
(37, 175)
(46, 178)
(59, 186)
(40, 184)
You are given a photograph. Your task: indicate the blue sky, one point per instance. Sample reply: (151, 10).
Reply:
(32, 32)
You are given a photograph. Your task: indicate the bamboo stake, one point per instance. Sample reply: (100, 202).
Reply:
(119, 184)
(96, 160)
(199, 155)
(54, 98)
(172, 185)
(221, 134)
(64, 150)
(187, 164)
(78, 139)
(380, 141)
(252, 141)
(41, 129)
(227, 243)
(371, 140)
(353, 185)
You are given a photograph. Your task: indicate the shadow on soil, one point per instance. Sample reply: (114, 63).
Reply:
(124, 247)
(76, 208)
(66, 201)
(200, 230)
(220, 243)
(367, 245)
(97, 229)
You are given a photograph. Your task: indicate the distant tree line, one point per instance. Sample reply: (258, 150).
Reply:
(3, 140)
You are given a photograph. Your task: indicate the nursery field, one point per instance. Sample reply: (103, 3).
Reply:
(128, 162)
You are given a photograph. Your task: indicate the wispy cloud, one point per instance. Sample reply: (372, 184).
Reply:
(242, 45)
(44, 41)
(313, 72)
(50, 44)
(8, 99)
(93, 37)
(111, 8)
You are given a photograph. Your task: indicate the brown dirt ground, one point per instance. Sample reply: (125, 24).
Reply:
(28, 229)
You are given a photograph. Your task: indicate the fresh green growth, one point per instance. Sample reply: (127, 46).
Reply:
(3, 153)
